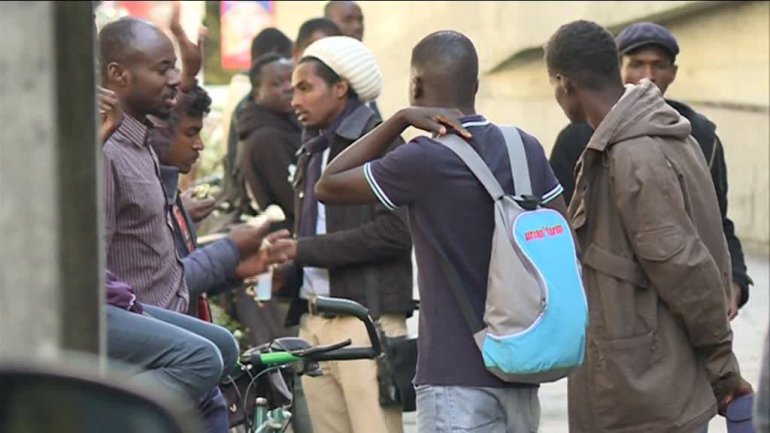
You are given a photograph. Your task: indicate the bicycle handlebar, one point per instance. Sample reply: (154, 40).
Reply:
(322, 305)
(338, 307)
(346, 307)
(347, 353)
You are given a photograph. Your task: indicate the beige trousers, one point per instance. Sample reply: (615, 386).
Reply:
(345, 399)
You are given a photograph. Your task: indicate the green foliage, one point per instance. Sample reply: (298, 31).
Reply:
(221, 318)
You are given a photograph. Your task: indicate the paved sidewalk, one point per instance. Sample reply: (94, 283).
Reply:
(749, 328)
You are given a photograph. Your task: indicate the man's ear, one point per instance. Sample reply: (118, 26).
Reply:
(566, 84)
(476, 89)
(118, 74)
(416, 90)
(675, 69)
(341, 89)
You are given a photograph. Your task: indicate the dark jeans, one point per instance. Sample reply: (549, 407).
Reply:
(213, 409)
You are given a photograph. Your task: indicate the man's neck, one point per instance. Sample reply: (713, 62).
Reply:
(468, 109)
(142, 117)
(600, 103)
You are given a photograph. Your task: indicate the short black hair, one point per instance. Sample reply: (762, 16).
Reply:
(313, 25)
(328, 6)
(116, 40)
(255, 73)
(270, 40)
(326, 73)
(195, 103)
(449, 61)
(200, 103)
(585, 52)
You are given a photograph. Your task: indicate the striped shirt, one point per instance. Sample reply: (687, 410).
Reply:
(140, 242)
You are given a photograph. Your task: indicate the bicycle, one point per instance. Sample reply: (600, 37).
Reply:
(274, 361)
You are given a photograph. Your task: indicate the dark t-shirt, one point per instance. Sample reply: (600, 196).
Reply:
(448, 202)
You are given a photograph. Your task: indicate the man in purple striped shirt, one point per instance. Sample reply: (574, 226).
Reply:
(138, 63)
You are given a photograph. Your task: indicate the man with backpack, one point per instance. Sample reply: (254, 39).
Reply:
(659, 357)
(452, 220)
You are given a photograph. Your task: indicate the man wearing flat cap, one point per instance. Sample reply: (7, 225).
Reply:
(361, 253)
(648, 50)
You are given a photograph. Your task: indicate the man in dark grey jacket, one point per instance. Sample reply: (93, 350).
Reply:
(355, 252)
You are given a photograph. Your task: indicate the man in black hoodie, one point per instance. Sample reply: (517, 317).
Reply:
(649, 51)
(269, 135)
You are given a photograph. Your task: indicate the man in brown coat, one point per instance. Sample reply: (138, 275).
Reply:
(655, 262)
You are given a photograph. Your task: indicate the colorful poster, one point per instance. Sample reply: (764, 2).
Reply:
(240, 22)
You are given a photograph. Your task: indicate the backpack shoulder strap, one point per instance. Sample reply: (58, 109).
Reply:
(518, 158)
(473, 160)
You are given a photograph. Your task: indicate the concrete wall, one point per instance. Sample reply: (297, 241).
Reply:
(723, 69)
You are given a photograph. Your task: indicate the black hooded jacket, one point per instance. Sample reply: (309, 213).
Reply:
(267, 156)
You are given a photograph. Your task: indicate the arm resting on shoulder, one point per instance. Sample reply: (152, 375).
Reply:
(343, 181)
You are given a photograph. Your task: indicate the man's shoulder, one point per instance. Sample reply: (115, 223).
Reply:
(493, 133)
(531, 143)
(638, 152)
(573, 136)
(697, 119)
(427, 150)
(115, 147)
(270, 144)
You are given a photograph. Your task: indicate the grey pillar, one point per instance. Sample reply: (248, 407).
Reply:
(51, 249)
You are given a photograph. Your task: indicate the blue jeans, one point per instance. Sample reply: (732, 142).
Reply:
(176, 351)
(221, 337)
(212, 406)
(450, 409)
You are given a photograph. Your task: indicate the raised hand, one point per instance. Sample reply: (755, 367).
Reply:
(110, 111)
(434, 120)
(191, 53)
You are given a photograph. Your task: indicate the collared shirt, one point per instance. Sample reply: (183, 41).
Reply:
(208, 269)
(315, 281)
(140, 239)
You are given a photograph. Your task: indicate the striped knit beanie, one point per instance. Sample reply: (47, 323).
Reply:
(351, 60)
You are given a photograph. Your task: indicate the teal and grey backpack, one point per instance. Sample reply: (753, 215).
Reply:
(536, 314)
